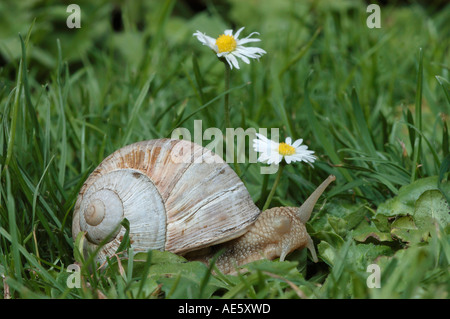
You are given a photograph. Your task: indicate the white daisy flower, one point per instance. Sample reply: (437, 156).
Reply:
(230, 47)
(273, 152)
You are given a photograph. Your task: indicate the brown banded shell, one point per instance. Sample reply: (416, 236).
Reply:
(177, 196)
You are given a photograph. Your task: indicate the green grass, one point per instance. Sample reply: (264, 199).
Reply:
(373, 104)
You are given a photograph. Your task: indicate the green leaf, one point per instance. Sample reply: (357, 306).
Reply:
(405, 229)
(339, 225)
(183, 280)
(327, 252)
(362, 255)
(350, 214)
(416, 207)
(382, 222)
(178, 278)
(432, 206)
(365, 231)
(330, 237)
(276, 267)
(404, 202)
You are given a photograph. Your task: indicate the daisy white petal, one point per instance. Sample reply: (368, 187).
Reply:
(244, 41)
(261, 139)
(242, 57)
(275, 159)
(232, 60)
(297, 143)
(254, 53)
(205, 40)
(251, 34)
(236, 35)
(249, 39)
(263, 158)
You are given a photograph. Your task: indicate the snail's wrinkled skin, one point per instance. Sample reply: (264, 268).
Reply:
(276, 233)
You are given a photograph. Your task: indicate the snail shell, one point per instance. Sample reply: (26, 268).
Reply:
(177, 196)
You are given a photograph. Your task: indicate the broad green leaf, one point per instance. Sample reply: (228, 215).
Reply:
(178, 277)
(339, 225)
(332, 238)
(362, 255)
(430, 206)
(327, 252)
(350, 214)
(279, 268)
(160, 257)
(382, 222)
(149, 289)
(365, 231)
(405, 229)
(404, 202)
(183, 280)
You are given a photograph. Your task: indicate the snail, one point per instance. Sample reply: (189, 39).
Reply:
(181, 197)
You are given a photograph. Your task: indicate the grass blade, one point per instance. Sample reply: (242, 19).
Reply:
(135, 110)
(300, 53)
(362, 126)
(321, 135)
(418, 118)
(13, 228)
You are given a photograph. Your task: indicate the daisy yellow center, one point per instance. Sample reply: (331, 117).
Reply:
(286, 149)
(226, 43)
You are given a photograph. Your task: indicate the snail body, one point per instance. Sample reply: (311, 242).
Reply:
(181, 197)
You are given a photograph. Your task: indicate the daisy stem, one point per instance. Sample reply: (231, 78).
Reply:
(274, 187)
(227, 111)
(264, 190)
(227, 97)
